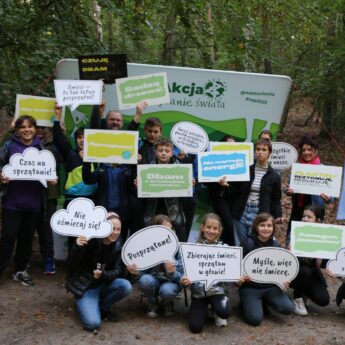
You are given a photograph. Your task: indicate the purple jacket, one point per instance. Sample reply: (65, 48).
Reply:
(21, 195)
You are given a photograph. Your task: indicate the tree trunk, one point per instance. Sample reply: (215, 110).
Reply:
(169, 46)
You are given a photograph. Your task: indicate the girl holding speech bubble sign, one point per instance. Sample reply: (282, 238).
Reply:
(95, 276)
(310, 282)
(22, 202)
(162, 280)
(254, 296)
(216, 295)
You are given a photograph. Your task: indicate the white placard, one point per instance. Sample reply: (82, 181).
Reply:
(40, 108)
(110, 146)
(271, 265)
(315, 240)
(82, 218)
(150, 247)
(152, 88)
(76, 92)
(32, 164)
(214, 165)
(337, 266)
(283, 156)
(316, 179)
(189, 137)
(164, 180)
(211, 263)
(233, 146)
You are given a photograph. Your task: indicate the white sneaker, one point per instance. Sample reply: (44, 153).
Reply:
(220, 322)
(152, 310)
(299, 307)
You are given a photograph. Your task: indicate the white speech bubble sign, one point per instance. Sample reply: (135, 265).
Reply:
(271, 265)
(283, 156)
(189, 137)
(33, 165)
(150, 246)
(210, 263)
(76, 92)
(82, 218)
(337, 266)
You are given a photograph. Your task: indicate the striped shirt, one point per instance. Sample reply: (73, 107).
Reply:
(253, 196)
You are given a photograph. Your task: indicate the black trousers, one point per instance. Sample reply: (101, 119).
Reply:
(45, 234)
(309, 283)
(198, 310)
(17, 226)
(223, 208)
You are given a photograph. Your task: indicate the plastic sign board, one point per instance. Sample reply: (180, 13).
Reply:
(315, 240)
(234, 146)
(189, 137)
(32, 164)
(221, 102)
(214, 165)
(150, 247)
(76, 92)
(337, 266)
(165, 180)
(110, 146)
(283, 156)
(82, 218)
(316, 179)
(151, 88)
(40, 108)
(271, 265)
(105, 67)
(211, 264)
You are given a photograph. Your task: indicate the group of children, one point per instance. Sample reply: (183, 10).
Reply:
(249, 211)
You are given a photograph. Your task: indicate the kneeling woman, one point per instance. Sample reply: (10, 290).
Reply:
(255, 296)
(95, 276)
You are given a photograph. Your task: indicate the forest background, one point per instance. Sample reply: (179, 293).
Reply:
(301, 39)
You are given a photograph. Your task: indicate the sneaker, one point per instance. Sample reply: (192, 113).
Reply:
(299, 307)
(49, 266)
(168, 309)
(23, 277)
(110, 316)
(152, 310)
(219, 321)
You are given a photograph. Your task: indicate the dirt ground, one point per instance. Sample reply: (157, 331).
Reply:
(45, 314)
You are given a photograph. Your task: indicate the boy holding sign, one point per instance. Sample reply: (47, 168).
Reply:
(161, 281)
(169, 206)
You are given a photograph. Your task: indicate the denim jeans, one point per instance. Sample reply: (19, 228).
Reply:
(252, 300)
(100, 298)
(152, 287)
(243, 227)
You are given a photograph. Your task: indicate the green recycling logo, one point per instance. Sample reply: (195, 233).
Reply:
(214, 89)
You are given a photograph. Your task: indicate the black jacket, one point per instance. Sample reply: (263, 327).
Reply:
(269, 194)
(82, 260)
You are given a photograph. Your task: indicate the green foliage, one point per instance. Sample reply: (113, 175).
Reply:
(302, 39)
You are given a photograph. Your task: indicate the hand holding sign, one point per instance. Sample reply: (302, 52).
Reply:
(211, 264)
(32, 165)
(271, 265)
(189, 137)
(149, 247)
(77, 92)
(82, 218)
